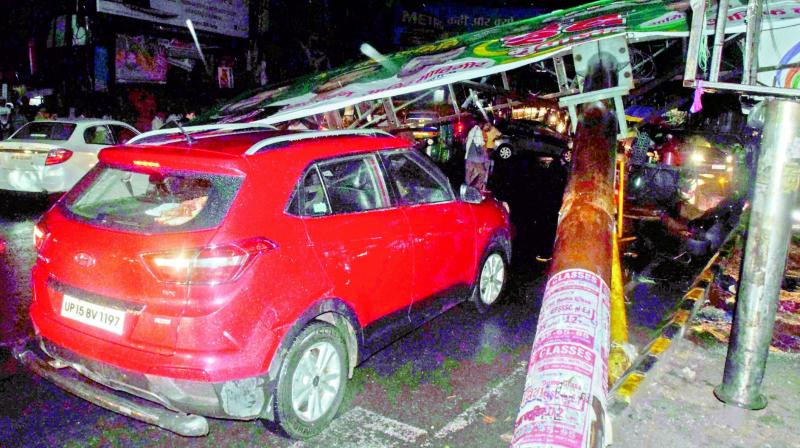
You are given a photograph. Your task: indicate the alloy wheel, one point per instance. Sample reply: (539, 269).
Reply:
(492, 277)
(316, 381)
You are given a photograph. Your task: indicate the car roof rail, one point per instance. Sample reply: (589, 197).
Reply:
(280, 140)
(178, 131)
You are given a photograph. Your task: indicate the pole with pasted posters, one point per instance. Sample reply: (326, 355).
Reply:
(563, 404)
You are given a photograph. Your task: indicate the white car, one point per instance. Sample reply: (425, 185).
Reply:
(50, 156)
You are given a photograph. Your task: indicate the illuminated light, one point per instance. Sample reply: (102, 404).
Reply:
(729, 169)
(39, 235)
(698, 157)
(729, 159)
(638, 182)
(146, 163)
(56, 156)
(209, 265)
(795, 215)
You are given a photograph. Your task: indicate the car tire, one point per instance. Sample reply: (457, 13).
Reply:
(312, 381)
(505, 152)
(490, 280)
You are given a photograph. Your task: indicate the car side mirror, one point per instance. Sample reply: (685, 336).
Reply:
(470, 194)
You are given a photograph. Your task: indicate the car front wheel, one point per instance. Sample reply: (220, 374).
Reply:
(490, 282)
(504, 152)
(312, 381)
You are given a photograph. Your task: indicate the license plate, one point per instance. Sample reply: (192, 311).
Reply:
(21, 157)
(92, 314)
(718, 167)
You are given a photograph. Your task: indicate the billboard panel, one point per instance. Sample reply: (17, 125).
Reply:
(228, 17)
(475, 55)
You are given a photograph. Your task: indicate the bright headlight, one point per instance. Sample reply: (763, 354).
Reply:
(698, 157)
(728, 159)
(795, 215)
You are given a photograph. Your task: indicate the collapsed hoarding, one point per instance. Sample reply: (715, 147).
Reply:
(468, 56)
(478, 54)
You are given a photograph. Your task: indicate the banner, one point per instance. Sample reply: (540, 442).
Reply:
(228, 17)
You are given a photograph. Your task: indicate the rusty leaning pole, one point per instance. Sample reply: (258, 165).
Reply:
(564, 400)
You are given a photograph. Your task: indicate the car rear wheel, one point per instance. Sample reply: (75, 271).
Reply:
(504, 152)
(312, 381)
(490, 281)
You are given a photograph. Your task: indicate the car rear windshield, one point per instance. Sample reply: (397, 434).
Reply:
(151, 200)
(45, 131)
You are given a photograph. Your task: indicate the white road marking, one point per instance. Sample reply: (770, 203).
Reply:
(369, 423)
(471, 413)
(372, 424)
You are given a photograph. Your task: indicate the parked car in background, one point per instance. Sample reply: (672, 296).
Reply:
(51, 156)
(529, 136)
(243, 274)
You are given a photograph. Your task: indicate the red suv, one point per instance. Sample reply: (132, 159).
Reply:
(242, 273)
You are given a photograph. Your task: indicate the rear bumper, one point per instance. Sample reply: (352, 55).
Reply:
(37, 179)
(176, 405)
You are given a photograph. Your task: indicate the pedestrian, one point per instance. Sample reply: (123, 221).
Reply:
(476, 161)
(158, 121)
(490, 134)
(42, 114)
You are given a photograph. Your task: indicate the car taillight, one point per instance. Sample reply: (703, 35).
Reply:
(459, 128)
(56, 156)
(207, 265)
(40, 234)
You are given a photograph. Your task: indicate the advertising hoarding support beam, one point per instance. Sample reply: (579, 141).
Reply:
(719, 40)
(391, 116)
(564, 400)
(754, 15)
(561, 75)
(454, 101)
(768, 233)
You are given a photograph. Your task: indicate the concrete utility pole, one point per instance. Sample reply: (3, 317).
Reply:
(769, 230)
(563, 404)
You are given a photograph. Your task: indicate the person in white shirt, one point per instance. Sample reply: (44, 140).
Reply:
(476, 161)
(158, 121)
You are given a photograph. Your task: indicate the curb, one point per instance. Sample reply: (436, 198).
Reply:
(619, 396)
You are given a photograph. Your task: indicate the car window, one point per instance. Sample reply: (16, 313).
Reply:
(416, 180)
(98, 135)
(44, 131)
(121, 133)
(353, 184)
(151, 200)
(309, 198)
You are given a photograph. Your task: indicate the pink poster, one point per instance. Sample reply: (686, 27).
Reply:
(566, 387)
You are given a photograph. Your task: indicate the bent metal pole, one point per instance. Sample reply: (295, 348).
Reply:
(564, 401)
(768, 233)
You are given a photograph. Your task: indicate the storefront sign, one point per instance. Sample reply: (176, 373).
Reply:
(228, 17)
(430, 22)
